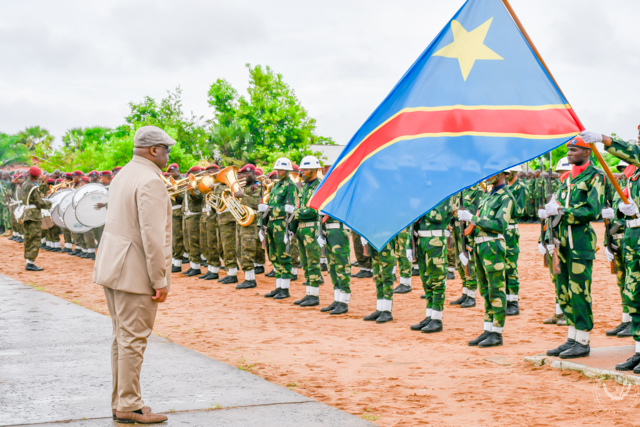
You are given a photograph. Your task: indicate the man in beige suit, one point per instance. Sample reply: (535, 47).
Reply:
(133, 265)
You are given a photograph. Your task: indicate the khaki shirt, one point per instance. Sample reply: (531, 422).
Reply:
(135, 248)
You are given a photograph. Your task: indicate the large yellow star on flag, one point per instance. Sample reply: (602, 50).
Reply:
(468, 46)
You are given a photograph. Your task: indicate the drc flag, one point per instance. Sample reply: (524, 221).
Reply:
(476, 102)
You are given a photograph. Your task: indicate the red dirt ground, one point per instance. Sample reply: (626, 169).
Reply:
(384, 373)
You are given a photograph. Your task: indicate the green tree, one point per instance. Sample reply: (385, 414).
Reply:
(12, 152)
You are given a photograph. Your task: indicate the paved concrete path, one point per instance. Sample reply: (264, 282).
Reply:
(55, 366)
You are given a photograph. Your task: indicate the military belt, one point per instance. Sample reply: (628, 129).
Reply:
(30, 207)
(277, 217)
(336, 225)
(190, 214)
(617, 236)
(512, 227)
(433, 233)
(176, 207)
(307, 224)
(633, 223)
(487, 238)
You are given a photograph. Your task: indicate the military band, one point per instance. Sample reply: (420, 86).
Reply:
(229, 219)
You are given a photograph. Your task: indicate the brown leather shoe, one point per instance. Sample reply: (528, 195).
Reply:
(147, 417)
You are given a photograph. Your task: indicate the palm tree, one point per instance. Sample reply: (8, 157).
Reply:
(11, 151)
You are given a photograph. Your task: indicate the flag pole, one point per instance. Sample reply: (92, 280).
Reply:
(594, 149)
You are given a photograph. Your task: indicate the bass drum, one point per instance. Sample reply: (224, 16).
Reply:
(55, 204)
(87, 214)
(86, 189)
(68, 215)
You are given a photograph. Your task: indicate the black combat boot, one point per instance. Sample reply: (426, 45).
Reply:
(273, 293)
(513, 309)
(578, 350)
(434, 326)
(312, 301)
(384, 317)
(284, 293)
(566, 346)
(341, 308)
(372, 316)
(247, 284)
(493, 340)
(330, 307)
(459, 301)
(469, 302)
(481, 338)
(630, 364)
(421, 325)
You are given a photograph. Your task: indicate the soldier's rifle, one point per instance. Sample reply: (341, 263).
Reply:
(609, 231)
(466, 249)
(264, 219)
(551, 260)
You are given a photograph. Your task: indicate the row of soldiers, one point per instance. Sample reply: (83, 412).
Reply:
(476, 230)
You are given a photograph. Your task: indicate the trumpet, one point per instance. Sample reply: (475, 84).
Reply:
(57, 187)
(244, 215)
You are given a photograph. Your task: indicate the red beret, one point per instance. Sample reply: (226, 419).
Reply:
(106, 173)
(213, 166)
(173, 167)
(295, 167)
(35, 171)
(248, 168)
(117, 168)
(578, 142)
(195, 168)
(78, 173)
(58, 181)
(258, 172)
(85, 179)
(51, 181)
(93, 173)
(272, 174)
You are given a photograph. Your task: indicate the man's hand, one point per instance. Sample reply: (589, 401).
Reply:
(464, 215)
(410, 254)
(463, 259)
(262, 207)
(608, 254)
(321, 241)
(161, 295)
(551, 249)
(289, 209)
(542, 248)
(238, 194)
(629, 209)
(552, 206)
(591, 137)
(608, 213)
(99, 206)
(542, 214)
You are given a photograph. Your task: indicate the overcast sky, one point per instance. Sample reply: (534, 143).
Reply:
(68, 63)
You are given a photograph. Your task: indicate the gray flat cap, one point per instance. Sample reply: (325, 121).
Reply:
(148, 136)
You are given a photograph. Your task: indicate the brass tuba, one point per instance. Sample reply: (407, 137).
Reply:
(57, 187)
(243, 214)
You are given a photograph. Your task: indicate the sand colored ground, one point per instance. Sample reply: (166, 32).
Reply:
(385, 373)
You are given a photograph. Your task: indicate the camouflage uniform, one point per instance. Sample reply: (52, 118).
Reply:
(512, 239)
(364, 261)
(338, 259)
(617, 230)
(248, 242)
(284, 192)
(32, 219)
(307, 234)
(431, 248)
(192, 210)
(177, 233)
(383, 262)
(472, 198)
(5, 217)
(404, 264)
(227, 226)
(631, 242)
(582, 200)
(490, 253)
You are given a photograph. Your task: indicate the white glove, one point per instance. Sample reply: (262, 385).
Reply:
(608, 254)
(409, 254)
(591, 137)
(551, 249)
(289, 209)
(542, 214)
(364, 241)
(321, 241)
(552, 206)
(262, 207)
(629, 209)
(542, 249)
(286, 238)
(464, 215)
(463, 259)
(608, 213)
(261, 235)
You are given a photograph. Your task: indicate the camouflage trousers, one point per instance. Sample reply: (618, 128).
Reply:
(512, 239)
(432, 263)
(68, 238)
(338, 258)
(490, 259)
(177, 234)
(621, 274)
(247, 245)
(404, 264)
(382, 264)
(632, 284)
(192, 235)
(228, 243)
(5, 220)
(53, 234)
(185, 236)
(471, 281)
(32, 236)
(260, 255)
(573, 289)
(88, 240)
(451, 254)
(295, 253)
(309, 254)
(213, 252)
(204, 241)
(364, 261)
(277, 248)
(98, 232)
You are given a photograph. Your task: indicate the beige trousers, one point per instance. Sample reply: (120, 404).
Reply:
(132, 316)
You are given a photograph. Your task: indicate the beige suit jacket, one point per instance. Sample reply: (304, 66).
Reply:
(135, 249)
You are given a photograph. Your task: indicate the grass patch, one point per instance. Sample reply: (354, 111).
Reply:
(35, 286)
(243, 365)
(292, 385)
(214, 406)
(369, 416)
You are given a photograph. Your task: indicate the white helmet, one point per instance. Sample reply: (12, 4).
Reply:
(283, 164)
(310, 162)
(563, 165)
